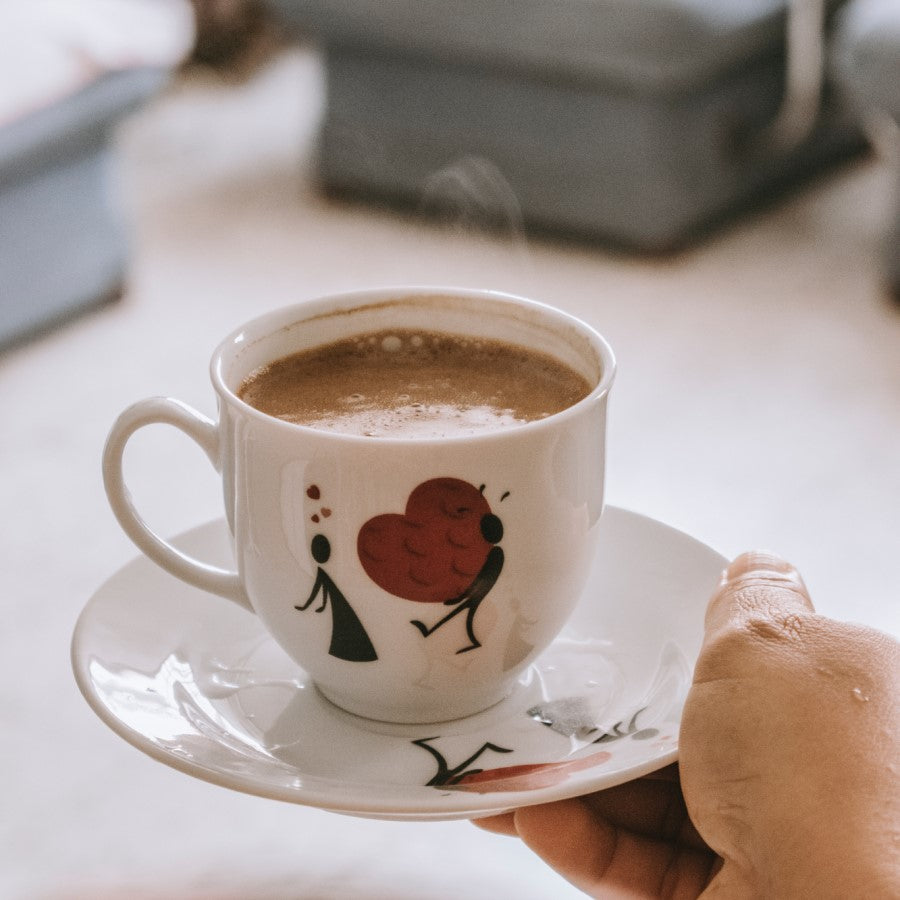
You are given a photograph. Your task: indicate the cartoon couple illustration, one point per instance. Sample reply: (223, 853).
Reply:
(443, 549)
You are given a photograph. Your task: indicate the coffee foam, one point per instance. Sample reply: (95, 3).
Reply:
(414, 384)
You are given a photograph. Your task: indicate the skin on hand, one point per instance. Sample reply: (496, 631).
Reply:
(789, 766)
(633, 840)
(791, 743)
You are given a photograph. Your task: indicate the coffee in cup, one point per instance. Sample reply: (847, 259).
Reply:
(401, 383)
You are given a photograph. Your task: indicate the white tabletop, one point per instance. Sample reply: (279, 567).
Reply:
(757, 404)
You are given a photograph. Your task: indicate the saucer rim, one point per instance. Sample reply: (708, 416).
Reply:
(319, 792)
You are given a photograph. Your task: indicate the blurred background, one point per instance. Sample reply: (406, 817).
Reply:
(714, 190)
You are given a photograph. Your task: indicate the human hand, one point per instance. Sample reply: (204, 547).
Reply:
(789, 766)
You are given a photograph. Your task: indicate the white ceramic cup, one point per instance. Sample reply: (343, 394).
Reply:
(525, 499)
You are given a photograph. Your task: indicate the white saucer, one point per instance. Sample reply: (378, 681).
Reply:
(195, 682)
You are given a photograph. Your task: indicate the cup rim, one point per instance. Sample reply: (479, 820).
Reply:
(283, 317)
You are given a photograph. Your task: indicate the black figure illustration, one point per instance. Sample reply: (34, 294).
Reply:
(471, 597)
(571, 716)
(349, 639)
(617, 732)
(447, 776)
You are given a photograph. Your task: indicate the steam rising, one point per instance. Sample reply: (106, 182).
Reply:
(472, 194)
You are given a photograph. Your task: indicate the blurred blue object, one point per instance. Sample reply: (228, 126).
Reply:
(63, 244)
(866, 54)
(642, 122)
(865, 57)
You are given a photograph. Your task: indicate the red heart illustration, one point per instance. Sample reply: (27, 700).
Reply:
(432, 552)
(526, 777)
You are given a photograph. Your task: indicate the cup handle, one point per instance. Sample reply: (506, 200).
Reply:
(164, 410)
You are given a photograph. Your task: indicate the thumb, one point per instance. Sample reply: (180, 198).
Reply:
(760, 586)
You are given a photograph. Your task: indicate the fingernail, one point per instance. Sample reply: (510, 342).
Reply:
(761, 564)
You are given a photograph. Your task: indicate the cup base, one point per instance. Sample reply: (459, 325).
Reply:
(424, 714)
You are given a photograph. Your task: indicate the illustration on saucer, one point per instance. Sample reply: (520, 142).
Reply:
(572, 717)
(442, 549)
(556, 715)
(459, 773)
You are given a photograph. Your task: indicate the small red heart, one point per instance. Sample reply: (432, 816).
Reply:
(432, 552)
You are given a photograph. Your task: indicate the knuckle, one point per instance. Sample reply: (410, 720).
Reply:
(721, 656)
(777, 627)
(753, 640)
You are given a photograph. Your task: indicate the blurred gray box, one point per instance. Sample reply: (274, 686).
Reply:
(635, 121)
